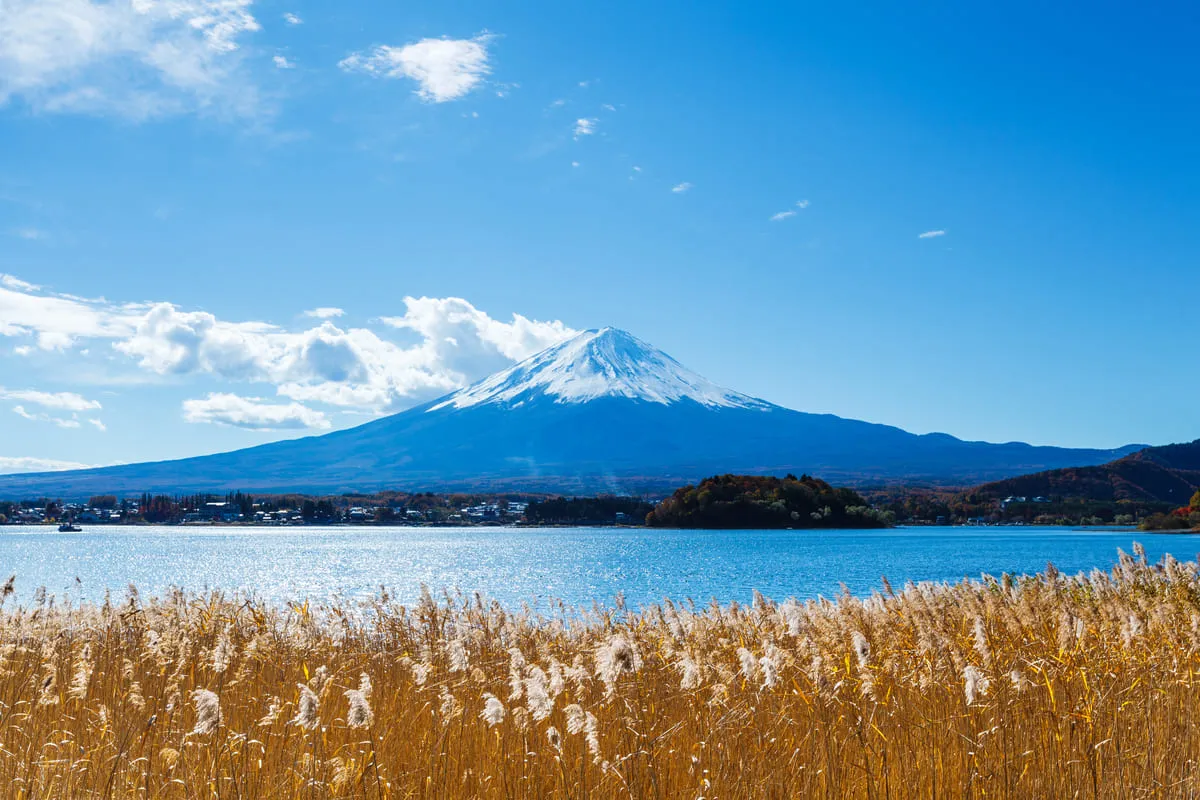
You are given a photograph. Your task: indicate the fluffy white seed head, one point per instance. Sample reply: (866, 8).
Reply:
(862, 648)
(359, 715)
(748, 664)
(975, 683)
(576, 718)
(615, 658)
(689, 674)
(308, 709)
(493, 710)
(208, 712)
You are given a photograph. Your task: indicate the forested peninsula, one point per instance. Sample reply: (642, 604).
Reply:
(750, 501)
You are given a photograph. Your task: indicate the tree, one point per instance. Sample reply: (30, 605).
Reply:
(1195, 504)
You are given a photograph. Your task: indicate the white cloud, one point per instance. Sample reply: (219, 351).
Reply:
(292, 19)
(585, 127)
(23, 350)
(135, 58)
(931, 234)
(324, 312)
(468, 340)
(252, 413)
(281, 62)
(29, 234)
(782, 215)
(13, 282)
(57, 320)
(558, 103)
(352, 367)
(801, 204)
(574, 163)
(65, 401)
(62, 422)
(444, 69)
(13, 464)
(100, 426)
(609, 107)
(70, 402)
(680, 188)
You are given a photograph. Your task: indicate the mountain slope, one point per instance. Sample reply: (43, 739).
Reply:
(601, 411)
(1168, 474)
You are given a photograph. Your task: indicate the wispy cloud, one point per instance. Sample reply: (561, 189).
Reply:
(13, 282)
(585, 126)
(133, 58)
(680, 188)
(66, 401)
(29, 234)
(444, 69)
(281, 62)
(324, 312)
(14, 464)
(931, 234)
(782, 215)
(253, 413)
(62, 422)
(292, 19)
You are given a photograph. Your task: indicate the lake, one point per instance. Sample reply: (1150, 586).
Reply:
(577, 565)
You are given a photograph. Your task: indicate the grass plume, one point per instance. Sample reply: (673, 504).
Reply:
(1034, 686)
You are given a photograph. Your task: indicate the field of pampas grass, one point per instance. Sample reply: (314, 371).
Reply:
(1032, 687)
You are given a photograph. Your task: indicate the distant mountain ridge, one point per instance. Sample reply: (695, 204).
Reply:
(602, 411)
(1168, 474)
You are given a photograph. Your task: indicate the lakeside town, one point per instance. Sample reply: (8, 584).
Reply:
(243, 509)
(755, 502)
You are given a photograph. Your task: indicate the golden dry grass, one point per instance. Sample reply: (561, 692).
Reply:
(1041, 687)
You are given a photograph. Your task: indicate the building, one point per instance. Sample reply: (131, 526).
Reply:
(215, 512)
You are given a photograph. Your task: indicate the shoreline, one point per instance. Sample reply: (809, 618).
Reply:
(93, 526)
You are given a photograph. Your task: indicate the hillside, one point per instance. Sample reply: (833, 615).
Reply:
(1168, 474)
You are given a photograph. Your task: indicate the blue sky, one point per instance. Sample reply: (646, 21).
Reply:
(746, 188)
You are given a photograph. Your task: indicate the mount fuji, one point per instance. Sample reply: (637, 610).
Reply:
(602, 411)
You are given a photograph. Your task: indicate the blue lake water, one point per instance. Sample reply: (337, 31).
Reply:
(577, 565)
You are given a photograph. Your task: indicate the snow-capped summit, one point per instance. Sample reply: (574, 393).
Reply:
(599, 363)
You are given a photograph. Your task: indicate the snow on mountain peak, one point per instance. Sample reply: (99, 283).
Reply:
(594, 364)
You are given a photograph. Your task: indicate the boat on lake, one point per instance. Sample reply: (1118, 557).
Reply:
(69, 527)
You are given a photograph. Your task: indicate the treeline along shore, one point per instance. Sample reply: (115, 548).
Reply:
(721, 501)
(725, 501)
